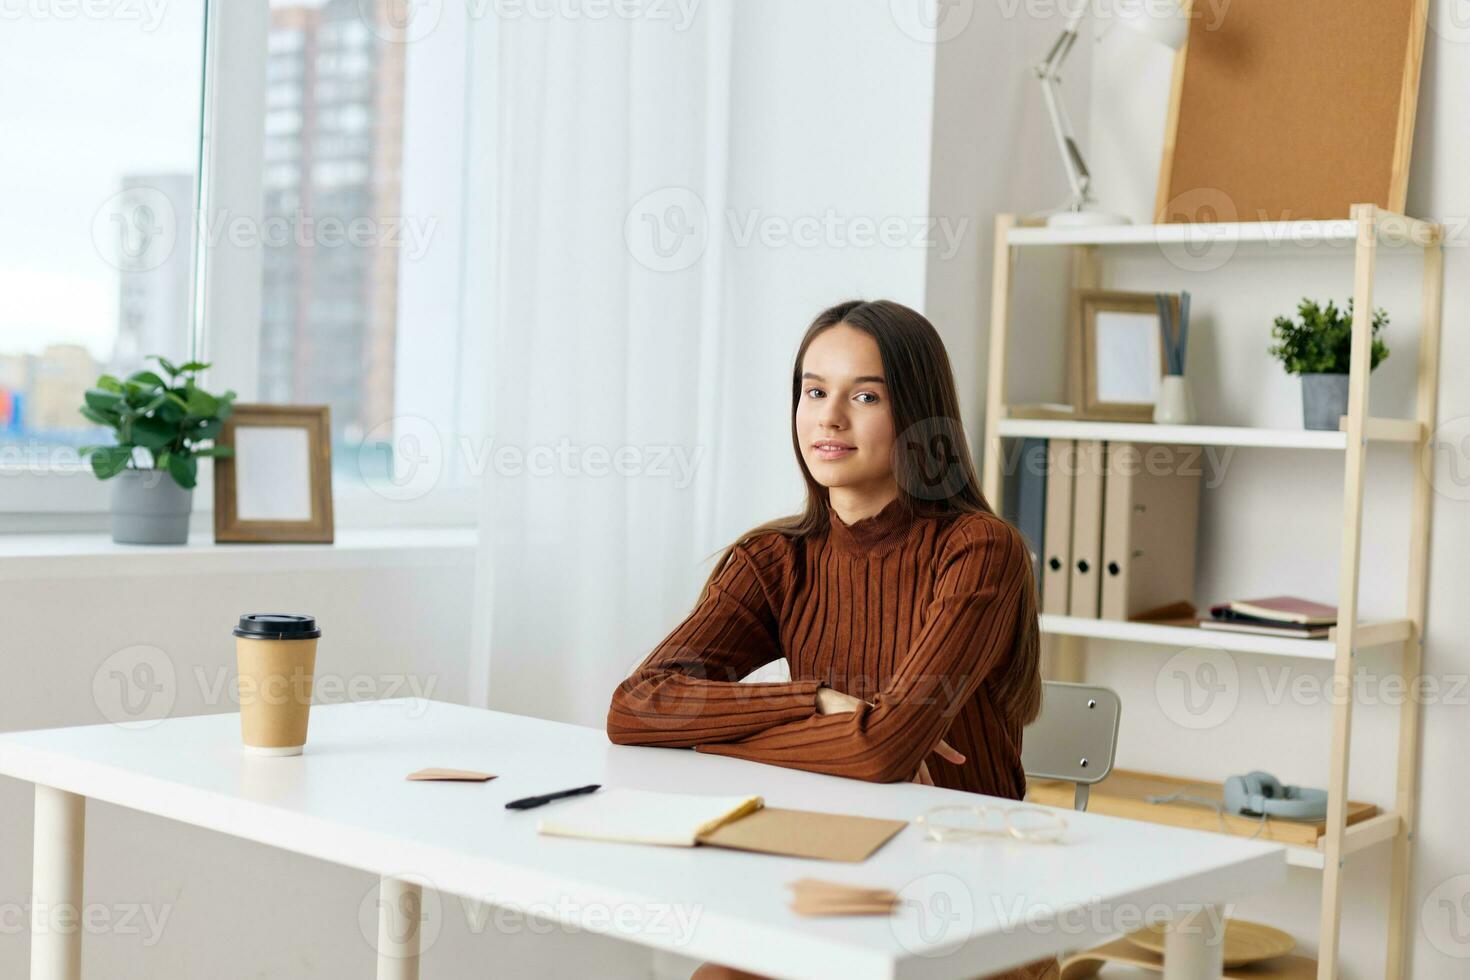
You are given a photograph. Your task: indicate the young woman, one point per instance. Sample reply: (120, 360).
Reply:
(903, 604)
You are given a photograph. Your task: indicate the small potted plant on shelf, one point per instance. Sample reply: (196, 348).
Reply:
(1318, 346)
(161, 428)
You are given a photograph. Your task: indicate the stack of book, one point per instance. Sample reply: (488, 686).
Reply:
(1280, 615)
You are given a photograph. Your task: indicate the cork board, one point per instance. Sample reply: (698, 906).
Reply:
(1291, 110)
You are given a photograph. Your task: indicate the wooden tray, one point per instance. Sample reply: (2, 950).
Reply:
(1121, 951)
(1245, 942)
(1123, 794)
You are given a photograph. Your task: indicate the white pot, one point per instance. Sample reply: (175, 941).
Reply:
(1175, 405)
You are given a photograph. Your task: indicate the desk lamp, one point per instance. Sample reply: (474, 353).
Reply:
(1163, 21)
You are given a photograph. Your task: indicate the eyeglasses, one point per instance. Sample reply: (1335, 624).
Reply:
(1032, 824)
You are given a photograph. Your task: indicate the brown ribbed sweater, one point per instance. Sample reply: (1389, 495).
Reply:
(914, 614)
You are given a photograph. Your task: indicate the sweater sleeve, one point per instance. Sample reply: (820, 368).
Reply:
(969, 628)
(688, 690)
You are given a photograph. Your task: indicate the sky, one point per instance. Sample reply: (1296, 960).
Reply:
(86, 101)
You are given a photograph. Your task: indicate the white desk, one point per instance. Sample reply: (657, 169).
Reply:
(968, 910)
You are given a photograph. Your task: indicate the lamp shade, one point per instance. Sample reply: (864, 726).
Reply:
(1163, 21)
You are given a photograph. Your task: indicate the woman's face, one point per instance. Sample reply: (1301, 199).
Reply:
(843, 418)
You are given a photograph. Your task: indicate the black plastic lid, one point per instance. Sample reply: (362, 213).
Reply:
(277, 626)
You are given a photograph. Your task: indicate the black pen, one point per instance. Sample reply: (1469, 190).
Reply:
(526, 803)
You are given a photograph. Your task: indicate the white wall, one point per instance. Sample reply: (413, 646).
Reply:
(993, 153)
(1273, 523)
(830, 117)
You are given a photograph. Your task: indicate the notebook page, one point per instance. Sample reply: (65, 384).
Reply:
(644, 816)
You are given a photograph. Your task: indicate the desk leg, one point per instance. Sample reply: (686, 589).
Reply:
(400, 914)
(56, 885)
(1194, 945)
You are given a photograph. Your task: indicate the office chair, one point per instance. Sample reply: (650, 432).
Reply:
(1074, 738)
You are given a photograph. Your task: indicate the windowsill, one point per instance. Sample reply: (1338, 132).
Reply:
(74, 504)
(32, 556)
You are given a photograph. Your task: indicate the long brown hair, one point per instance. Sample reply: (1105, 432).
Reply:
(932, 463)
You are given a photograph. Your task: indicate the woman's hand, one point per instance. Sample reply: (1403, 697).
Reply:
(831, 701)
(946, 752)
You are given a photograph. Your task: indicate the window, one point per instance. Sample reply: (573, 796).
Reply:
(331, 329)
(99, 156)
(330, 305)
(335, 196)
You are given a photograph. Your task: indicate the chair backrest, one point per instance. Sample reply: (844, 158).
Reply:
(1074, 738)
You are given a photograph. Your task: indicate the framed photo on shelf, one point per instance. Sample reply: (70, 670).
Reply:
(1117, 354)
(277, 487)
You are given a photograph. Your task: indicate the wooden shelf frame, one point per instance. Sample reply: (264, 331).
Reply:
(1380, 828)
(1363, 236)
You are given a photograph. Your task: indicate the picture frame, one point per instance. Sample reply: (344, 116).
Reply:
(1117, 354)
(277, 486)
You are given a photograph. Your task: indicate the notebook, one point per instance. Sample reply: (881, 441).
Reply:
(804, 834)
(741, 823)
(1282, 609)
(1266, 629)
(640, 816)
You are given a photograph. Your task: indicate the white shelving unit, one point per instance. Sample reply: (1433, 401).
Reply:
(1369, 232)
(1392, 230)
(1381, 634)
(1375, 430)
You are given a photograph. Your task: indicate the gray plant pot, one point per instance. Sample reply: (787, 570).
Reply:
(1324, 399)
(148, 507)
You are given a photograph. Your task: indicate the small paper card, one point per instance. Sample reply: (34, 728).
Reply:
(451, 775)
(811, 896)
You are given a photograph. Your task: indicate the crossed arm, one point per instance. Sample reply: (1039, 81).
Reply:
(688, 691)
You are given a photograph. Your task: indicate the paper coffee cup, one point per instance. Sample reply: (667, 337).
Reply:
(276, 654)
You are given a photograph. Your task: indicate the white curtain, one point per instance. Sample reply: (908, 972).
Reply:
(601, 387)
(652, 176)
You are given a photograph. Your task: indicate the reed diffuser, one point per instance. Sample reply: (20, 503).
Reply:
(1175, 405)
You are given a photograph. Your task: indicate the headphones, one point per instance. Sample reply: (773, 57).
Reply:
(1262, 794)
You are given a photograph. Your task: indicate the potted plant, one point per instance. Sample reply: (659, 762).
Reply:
(1318, 346)
(161, 428)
